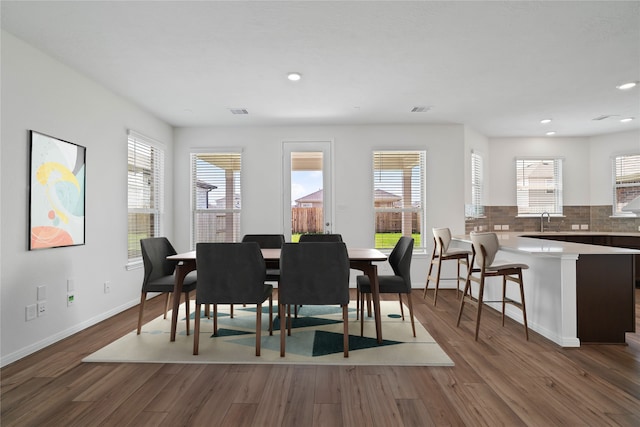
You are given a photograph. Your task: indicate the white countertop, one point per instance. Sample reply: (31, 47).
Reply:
(514, 242)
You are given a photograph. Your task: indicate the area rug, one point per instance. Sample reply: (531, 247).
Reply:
(316, 339)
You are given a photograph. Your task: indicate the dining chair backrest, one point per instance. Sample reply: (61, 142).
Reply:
(443, 238)
(320, 238)
(266, 241)
(488, 241)
(400, 259)
(314, 273)
(230, 273)
(155, 251)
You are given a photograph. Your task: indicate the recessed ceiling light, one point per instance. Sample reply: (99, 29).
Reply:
(626, 119)
(626, 86)
(551, 133)
(545, 121)
(294, 77)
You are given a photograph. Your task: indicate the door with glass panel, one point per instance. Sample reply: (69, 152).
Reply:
(308, 207)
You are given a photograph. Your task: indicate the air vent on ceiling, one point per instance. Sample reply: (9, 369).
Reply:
(605, 116)
(420, 109)
(238, 111)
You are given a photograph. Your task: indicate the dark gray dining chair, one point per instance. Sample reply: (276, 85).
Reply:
(320, 238)
(398, 283)
(268, 241)
(159, 274)
(313, 274)
(231, 273)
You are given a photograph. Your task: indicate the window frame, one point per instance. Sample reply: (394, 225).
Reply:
(556, 186)
(140, 146)
(617, 212)
(420, 211)
(234, 234)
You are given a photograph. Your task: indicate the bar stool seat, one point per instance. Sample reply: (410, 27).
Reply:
(441, 252)
(484, 249)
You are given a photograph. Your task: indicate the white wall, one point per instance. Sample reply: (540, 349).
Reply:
(586, 169)
(602, 149)
(352, 151)
(42, 94)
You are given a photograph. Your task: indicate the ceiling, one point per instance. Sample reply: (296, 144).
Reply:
(498, 67)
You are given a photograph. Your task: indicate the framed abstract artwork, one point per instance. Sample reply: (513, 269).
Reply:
(56, 193)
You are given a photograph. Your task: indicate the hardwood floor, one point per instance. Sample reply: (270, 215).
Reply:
(499, 380)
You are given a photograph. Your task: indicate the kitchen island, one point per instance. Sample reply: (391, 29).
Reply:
(576, 293)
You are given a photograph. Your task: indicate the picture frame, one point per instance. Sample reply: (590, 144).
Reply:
(57, 190)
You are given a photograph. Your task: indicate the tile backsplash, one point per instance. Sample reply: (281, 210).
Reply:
(575, 218)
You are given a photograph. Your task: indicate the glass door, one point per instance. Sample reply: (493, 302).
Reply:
(307, 188)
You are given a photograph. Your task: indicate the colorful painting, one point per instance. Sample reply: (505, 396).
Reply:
(57, 202)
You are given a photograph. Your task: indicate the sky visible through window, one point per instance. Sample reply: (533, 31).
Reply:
(304, 183)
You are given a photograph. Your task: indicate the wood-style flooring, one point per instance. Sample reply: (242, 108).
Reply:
(499, 380)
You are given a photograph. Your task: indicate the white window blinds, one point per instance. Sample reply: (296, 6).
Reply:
(216, 197)
(145, 190)
(477, 185)
(398, 196)
(626, 181)
(539, 186)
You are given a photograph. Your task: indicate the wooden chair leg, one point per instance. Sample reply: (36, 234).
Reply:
(361, 314)
(282, 327)
(435, 292)
(166, 303)
(433, 256)
(143, 298)
(289, 319)
(467, 288)
(401, 308)
(410, 304)
(270, 315)
(215, 320)
(524, 307)
(231, 312)
(357, 304)
(258, 327)
(196, 332)
(480, 297)
(186, 307)
(345, 321)
(504, 296)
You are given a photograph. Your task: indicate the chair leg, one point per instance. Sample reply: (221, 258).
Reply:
(435, 292)
(410, 304)
(186, 307)
(196, 332)
(401, 308)
(282, 327)
(480, 297)
(504, 296)
(258, 327)
(361, 314)
(467, 288)
(270, 315)
(345, 321)
(524, 307)
(368, 298)
(166, 303)
(433, 256)
(357, 304)
(143, 298)
(289, 319)
(215, 320)
(231, 311)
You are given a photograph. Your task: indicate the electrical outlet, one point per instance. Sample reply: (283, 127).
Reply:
(584, 226)
(42, 308)
(505, 227)
(575, 227)
(497, 227)
(31, 311)
(107, 287)
(71, 299)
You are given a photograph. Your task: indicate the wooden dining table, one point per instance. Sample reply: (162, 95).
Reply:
(362, 259)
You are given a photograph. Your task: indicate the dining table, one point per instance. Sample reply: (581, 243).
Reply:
(362, 259)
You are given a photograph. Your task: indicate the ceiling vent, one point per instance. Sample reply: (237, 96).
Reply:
(420, 109)
(238, 111)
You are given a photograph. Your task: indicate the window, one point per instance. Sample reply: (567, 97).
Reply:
(216, 197)
(626, 181)
(145, 190)
(398, 196)
(477, 186)
(539, 186)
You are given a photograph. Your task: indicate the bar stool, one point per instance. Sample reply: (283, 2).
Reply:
(441, 252)
(484, 248)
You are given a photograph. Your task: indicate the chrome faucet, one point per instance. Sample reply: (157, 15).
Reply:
(542, 220)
